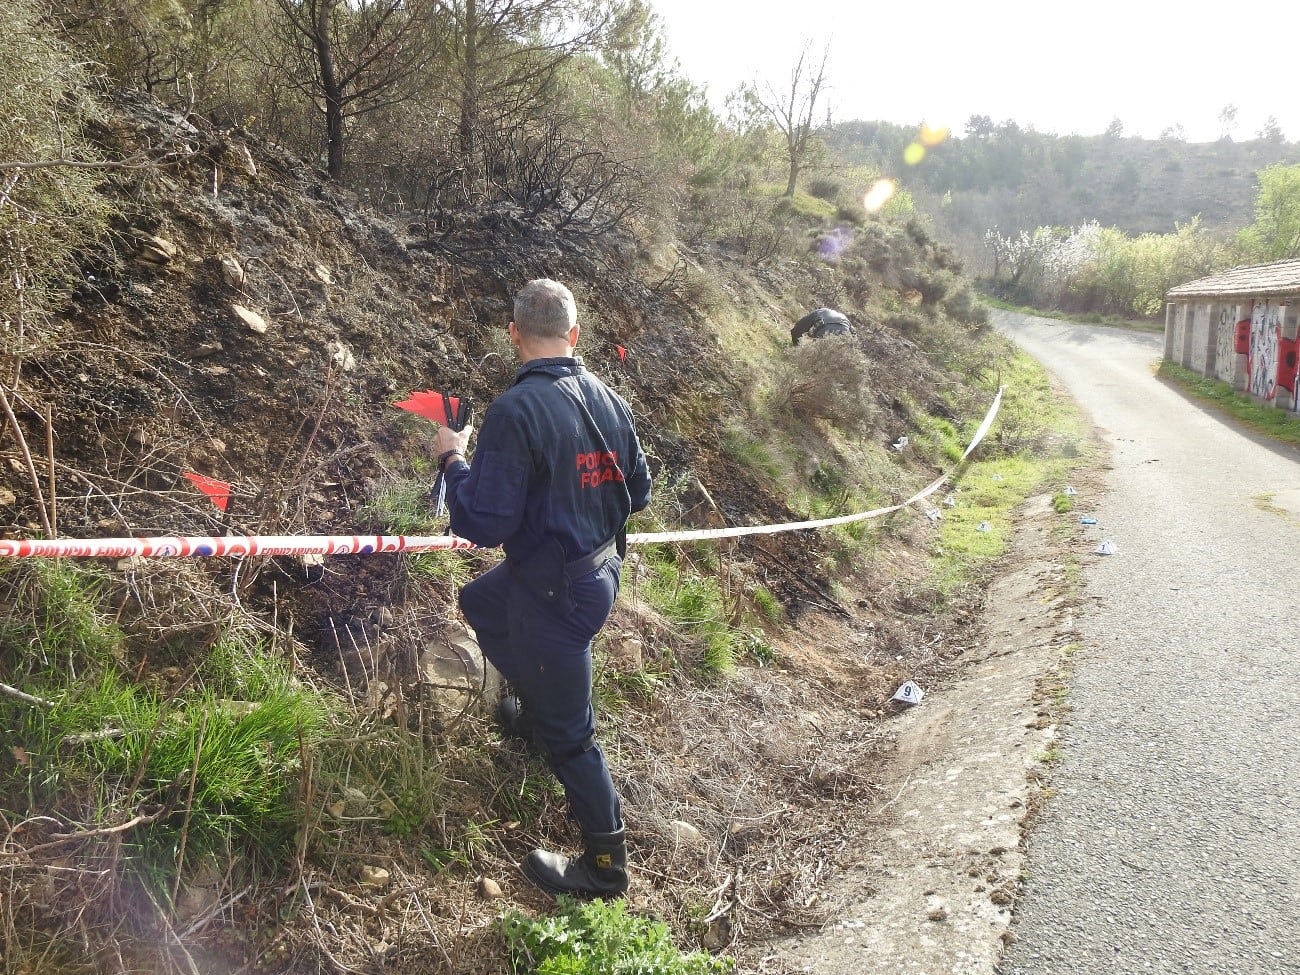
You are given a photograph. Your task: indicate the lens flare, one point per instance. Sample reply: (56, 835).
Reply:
(831, 246)
(878, 195)
(933, 135)
(913, 154)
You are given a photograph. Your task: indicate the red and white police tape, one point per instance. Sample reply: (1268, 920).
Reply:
(246, 545)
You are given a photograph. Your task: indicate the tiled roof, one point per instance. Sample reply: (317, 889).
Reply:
(1260, 280)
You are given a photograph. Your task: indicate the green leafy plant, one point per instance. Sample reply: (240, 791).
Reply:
(757, 648)
(599, 938)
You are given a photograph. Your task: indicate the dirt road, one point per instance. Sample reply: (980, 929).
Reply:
(1172, 843)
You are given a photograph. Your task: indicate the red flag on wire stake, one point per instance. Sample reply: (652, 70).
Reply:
(442, 409)
(622, 353)
(218, 491)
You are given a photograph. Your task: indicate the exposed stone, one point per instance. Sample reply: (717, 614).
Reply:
(685, 834)
(625, 652)
(356, 802)
(342, 356)
(233, 272)
(376, 877)
(453, 666)
(313, 566)
(251, 318)
(489, 889)
(154, 250)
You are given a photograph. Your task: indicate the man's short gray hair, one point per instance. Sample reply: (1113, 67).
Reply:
(545, 309)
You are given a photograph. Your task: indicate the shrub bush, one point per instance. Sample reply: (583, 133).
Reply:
(825, 380)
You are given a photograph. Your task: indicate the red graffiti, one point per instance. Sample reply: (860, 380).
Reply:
(1286, 363)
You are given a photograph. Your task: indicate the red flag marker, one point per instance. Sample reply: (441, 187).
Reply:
(622, 353)
(432, 406)
(218, 491)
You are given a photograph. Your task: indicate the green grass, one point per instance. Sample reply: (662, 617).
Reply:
(803, 205)
(695, 603)
(615, 688)
(750, 452)
(402, 506)
(1279, 424)
(768, 606)
(220, 749)
(1083, 318)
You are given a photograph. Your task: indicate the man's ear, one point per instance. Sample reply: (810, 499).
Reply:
(574, 332)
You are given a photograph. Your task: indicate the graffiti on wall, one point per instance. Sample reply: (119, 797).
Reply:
(1288, 369)
(1225, 344)
(1265, 340)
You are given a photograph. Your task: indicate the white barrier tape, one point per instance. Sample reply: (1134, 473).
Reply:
(988, 422)
(641, 538)
(248, 545)
(232, 545)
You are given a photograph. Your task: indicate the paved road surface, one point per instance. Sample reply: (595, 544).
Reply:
(1173, 842)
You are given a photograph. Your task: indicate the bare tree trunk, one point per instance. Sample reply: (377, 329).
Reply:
(330, 89)
(469, 120)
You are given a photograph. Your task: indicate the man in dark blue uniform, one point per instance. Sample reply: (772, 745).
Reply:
(556, 472)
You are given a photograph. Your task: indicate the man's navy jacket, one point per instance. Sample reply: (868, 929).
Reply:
(557, 458)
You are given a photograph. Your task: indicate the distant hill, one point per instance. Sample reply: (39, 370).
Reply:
(1018, 179)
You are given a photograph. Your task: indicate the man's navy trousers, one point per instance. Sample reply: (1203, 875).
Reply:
(546, 657)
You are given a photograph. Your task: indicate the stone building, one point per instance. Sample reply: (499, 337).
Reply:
(1240, 326)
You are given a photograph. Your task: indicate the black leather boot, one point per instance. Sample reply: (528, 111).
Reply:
(601, 871)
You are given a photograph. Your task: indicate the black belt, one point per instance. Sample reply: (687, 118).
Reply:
(591, 562)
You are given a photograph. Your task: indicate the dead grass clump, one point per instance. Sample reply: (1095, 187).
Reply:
(825, 380)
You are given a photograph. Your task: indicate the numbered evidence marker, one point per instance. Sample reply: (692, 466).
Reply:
(909, 693)
(1107, 548)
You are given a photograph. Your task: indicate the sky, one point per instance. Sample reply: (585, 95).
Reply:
(1059, 69)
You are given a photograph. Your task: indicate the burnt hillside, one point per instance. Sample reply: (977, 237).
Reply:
(243, 318)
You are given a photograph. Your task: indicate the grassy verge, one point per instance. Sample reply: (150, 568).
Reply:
(1035, 443)
(1083, 318)
(1279, 424)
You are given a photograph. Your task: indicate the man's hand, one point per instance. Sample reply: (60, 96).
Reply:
(449, 439)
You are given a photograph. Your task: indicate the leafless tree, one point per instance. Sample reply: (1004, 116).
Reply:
(793, 108)
(571, 182)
